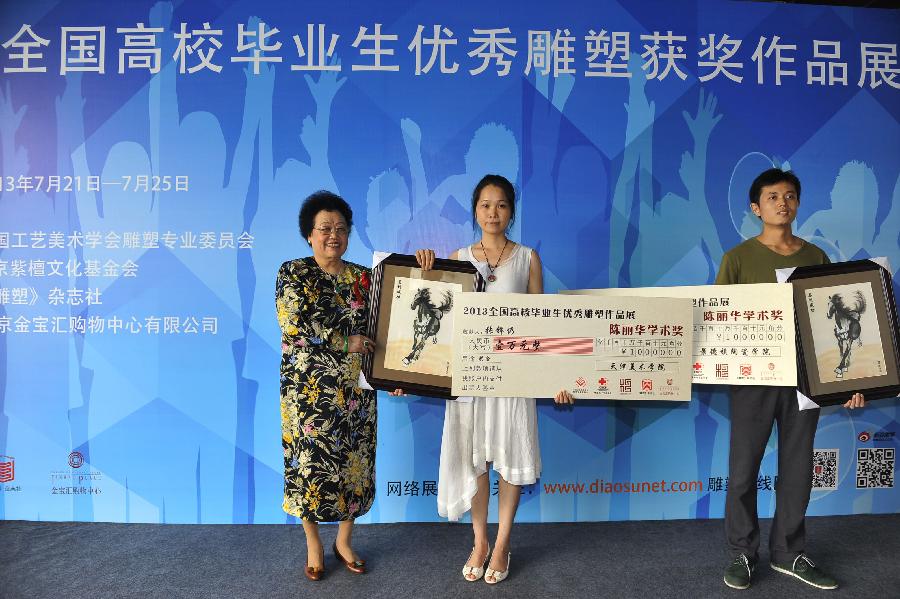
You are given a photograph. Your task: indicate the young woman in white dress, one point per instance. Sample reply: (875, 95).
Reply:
(498, 430)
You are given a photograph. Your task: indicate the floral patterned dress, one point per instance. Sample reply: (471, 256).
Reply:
(327, 421)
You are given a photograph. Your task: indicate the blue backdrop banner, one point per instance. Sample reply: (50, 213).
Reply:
(154, 156)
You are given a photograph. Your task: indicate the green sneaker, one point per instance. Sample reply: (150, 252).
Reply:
(804, 569)
(738, 572)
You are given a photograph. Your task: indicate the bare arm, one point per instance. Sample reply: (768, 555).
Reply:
(535, 274)
(536, 285)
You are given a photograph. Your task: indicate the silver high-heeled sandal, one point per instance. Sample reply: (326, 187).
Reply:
(474, 571)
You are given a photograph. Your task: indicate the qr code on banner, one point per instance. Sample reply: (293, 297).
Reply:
(825, 468)
(875, 468)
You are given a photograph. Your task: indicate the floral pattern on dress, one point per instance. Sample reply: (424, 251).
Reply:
(328, 424)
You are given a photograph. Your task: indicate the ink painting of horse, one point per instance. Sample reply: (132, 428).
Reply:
(427, 320)
(846, 326)
(846, 332)
(420, 335)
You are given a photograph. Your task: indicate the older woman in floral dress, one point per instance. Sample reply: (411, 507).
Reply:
(328, 422)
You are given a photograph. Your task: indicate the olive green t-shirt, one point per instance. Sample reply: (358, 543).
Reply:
(753, 262)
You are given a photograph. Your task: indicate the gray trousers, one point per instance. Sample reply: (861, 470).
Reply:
(754, 409)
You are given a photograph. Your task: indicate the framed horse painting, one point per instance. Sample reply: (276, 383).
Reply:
(847, 331)
(411, 321)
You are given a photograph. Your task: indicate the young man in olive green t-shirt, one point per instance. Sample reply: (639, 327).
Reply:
(774, 198)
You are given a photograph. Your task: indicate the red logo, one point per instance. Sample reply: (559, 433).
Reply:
(669, 382)
(580, 381)
(602, 381)
(746, 370)
(818, 469)
(646, 385)
(864, 436)
(771, 365)
(722, 371)
(76, 460)
(698, 366)
(7, 468)
(625, 385)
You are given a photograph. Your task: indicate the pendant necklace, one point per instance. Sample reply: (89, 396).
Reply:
(492, 277)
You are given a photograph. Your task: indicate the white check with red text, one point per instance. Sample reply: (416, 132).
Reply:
(743, 334)
(530, 345)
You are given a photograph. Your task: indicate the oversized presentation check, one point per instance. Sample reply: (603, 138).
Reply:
(743, 334)
(529, 345)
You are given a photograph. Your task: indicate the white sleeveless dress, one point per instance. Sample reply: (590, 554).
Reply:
(502, 430)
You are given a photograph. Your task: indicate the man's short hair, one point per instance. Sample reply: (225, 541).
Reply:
(772, 176)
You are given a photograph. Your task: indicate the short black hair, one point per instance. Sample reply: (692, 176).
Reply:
(509, 191)
(317, 202)
(772, 176)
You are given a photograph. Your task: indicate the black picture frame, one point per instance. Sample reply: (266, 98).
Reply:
(380, 367)
(822, 372)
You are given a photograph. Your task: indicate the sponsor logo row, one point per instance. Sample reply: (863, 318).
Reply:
(71, 481)
(625, 385)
